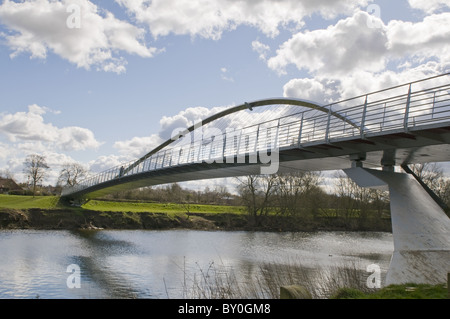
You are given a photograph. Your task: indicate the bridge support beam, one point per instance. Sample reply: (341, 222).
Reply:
(420, 228)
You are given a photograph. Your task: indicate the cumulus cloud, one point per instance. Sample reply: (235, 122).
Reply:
(39, 26)
(93, 38)
(261, 48)
(352, 45)
(425, 39)
(429, 6)
(138, 146)
(210, 18)
(319, 91)
(352, 58)
(30, 127)
(342, 48)
(104, 162)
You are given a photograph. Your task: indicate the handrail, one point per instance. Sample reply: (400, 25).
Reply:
(335, 121)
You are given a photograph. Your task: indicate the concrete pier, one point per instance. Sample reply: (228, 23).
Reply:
(421, 229)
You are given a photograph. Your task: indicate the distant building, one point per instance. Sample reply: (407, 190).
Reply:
(8, 185)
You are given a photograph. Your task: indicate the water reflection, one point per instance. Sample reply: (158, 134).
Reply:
(169, 264)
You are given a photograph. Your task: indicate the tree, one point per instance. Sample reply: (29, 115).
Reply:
(356, 201)
(433, 176)
(36, 169)
(71, 174)
(296, 192)
(430, 173)
(257, 192)
(6, 173)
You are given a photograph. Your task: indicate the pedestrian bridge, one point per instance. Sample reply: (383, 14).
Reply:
(366, 136)
(400, 125)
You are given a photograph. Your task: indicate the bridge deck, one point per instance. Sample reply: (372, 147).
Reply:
(401, 125)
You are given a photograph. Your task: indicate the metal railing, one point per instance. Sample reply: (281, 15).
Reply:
(397, 109)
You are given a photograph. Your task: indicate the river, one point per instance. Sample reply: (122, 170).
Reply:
(171, 263)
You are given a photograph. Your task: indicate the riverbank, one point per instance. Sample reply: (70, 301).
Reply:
(72, 218)
(48, 213)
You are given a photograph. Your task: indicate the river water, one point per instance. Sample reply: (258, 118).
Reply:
(167, 264)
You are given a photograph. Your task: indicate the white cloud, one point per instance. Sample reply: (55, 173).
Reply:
(172, 125)
(103, 162)
(210, 18)
(351, 58)
(224, 75)
(311, 89)
(30, 127)
(326, 90)
(429, 38)
(347, 46)
(138, 146)
(39, 26)
(429, 6)
(261, 48)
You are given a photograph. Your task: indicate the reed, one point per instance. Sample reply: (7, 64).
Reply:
(218, 281)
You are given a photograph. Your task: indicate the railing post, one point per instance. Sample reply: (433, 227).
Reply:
(408, 102)
(180, 152)
(224, 144)
(164, 158)
(434, 103)
(287, 135)
(277, 134)
(211, 148)
(327, 132)
(257, 137)
(363, 119)
(300, 131)
(239, 142)
(384, 116)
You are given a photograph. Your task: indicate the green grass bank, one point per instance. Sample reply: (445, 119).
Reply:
(47, 212)
(405, 291)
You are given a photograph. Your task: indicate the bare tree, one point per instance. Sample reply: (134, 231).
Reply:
(257, 193)
(71, 174)
(346, 190)
(356, 201)
(35, 168)
(6, 173)
(430, 173)
(295, 192)
(433, 176)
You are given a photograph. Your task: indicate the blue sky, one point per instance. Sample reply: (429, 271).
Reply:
(105, 92)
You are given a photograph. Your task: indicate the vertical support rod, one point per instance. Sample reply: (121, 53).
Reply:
(327, 132)
(224, 144)
(384, 117)
(257, 138)
(363, 119)
(434, 103)
(408, 102)
(300, 132)
(277, 134)
(163, 159)
(239, 142)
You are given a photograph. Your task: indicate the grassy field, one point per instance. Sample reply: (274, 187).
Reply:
(27, 202)
(136, 207)
(51, 202)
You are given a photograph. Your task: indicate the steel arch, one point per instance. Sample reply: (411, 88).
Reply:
(246, 105)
